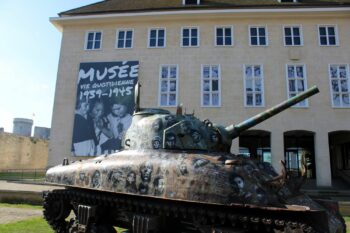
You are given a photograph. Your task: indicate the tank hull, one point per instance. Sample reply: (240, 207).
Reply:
(217, 181)
(195, 176)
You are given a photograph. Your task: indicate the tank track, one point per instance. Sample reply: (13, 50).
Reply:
(174, 216)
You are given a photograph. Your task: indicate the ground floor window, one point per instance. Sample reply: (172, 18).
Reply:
(296, 82)
(211, 86)
(340, 85)
(168, 85)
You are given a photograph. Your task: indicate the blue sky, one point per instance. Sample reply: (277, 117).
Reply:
(29, 53)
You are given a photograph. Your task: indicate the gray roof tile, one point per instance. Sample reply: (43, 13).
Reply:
(121, 6)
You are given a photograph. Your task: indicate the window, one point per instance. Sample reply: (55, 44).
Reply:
(327, 35)
(258, 35)
(124, 38)
(156, 38)
(292, 36)
(253, 86)
(190, 37)
(93, 40)
(340, 85)
(211, 86)
(168, 85)
(296, 82)
(224, 36)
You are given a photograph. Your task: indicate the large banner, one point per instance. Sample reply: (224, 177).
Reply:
(104, 105)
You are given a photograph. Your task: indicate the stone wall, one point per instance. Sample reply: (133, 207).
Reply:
(18, 152)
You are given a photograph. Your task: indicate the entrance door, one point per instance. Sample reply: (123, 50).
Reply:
(256, 144)
(299, 146)
(339, 144)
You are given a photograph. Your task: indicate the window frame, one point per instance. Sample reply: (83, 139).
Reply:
(296, 79)
(266, 36)
(335, 35)
(210, 92)
(232, 35)
(330, 84)
(86, 40)
(168, 92)
(292, 35)
(124, 43)
(190, 44)
(157, 37)
(254, 92)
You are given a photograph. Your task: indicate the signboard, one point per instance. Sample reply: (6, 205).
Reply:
(104, 105)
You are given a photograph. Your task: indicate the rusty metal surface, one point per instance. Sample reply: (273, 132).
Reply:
(195, 177)
(168, 174)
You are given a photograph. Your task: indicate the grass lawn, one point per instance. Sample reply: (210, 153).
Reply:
(21, 206)
(32, 225)
(39, 175)
(347, 220)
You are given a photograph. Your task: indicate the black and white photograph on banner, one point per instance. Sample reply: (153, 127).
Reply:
(104, 106)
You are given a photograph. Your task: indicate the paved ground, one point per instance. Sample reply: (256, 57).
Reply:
(4, 185)
(9, 214)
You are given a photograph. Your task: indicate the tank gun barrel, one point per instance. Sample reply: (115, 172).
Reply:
(233, 131)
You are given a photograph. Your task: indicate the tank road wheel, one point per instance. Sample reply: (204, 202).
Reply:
(56, 210)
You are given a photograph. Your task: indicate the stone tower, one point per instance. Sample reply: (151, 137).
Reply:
(22, 126)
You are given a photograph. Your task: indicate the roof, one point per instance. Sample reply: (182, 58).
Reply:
(124, 6)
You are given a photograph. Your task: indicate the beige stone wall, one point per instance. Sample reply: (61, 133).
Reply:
(319, 117)
(18, 152)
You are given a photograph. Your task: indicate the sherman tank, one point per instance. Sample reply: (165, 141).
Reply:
(176, 174)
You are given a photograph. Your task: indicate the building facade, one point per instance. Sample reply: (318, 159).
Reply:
(225, 61)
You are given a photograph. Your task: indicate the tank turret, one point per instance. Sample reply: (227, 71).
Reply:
(159, 129)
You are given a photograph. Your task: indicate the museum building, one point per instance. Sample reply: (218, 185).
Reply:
(224, 60)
